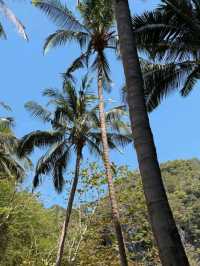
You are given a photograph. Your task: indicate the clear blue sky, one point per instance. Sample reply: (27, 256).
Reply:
(25, 72)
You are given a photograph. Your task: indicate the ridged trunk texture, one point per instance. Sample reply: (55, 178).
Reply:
(170, 247)
(113, 201)
(68, 210)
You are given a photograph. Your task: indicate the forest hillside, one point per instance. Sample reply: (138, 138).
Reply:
(30, 231)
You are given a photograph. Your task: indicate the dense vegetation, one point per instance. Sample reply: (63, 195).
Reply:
(30, 231)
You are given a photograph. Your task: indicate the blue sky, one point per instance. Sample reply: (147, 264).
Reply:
(25, 72)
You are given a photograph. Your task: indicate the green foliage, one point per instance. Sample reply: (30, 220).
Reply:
(29, 232)
(182, 180)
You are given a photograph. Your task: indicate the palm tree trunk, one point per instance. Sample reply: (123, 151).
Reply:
(162, 221)
(114, 207)
(69, 210)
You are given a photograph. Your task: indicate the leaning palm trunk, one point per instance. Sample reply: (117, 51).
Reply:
(68, 211)
(114, 207)
(163, 225)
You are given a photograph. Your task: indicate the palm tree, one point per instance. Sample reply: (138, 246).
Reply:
(11, 166)
(163, 225)
(95, 35)
(170, 36)
(8, 13)
(75, 125)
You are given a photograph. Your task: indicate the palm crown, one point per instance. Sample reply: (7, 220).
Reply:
(11, 166)
(93, 32)
(75, 125)
(170, 34)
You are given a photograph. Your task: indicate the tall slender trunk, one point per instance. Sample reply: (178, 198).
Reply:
(68, 210)
(163, 225)
(114, 207)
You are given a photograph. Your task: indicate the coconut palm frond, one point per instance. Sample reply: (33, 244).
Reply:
(13, 19)
(61, 37)
(5, 106)
(2, 32)
(160, 80)
(94, 146)
(10, 168)
(38, 111)
(102, 64)
(59, 13)
(116, 113)
(190, 82)
(53, 94)
(78, 63)
(59, 169)
(37, 139)
(55, 158)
